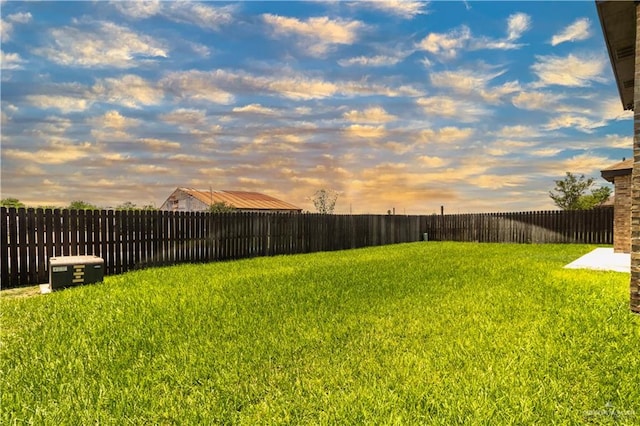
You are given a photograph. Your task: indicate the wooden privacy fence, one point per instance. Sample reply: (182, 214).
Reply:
(128, 240)
(555, 226)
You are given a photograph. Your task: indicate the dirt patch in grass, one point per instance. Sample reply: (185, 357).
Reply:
(15, 293)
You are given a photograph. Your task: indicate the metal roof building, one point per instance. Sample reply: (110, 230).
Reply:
(190, 200)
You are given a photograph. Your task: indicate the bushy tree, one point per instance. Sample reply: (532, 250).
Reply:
(597, 198)
(11, 202)
(81, 205)
(127, 205)
(221, 207)
(570, 193)
(325, 200)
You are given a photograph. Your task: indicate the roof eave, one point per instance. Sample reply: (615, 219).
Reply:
(623, 69)
(610, 175)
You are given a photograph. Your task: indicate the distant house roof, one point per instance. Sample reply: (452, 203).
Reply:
(241, 200)
(619, 169)
(618, 21)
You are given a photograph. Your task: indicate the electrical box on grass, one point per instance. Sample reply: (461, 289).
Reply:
(69, 271)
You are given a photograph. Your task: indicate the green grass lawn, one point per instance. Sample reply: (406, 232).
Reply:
(422, 333)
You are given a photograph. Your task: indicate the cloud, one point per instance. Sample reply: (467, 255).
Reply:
(52, 126)
(446, 44)
(545, 152)
(202, 15)
(114, 120)
(445, 106)
(578, 122)
(536, 100)
(11, 61)
(476, 81)
(317, 35)
(611, 109)
(579, 30)
(295, 87)
(372, 61)
(150, 169)
(402, 8)
(463, 80)
(586, 164)
(200, 49)
(254, 109)
(100, 44)
(20, 18)
(197, 85)
(517, 131)
(617, 141)
(6, 28)
(517, 24)
(138, 9)
(128, 90)
(111, 127)
(490, 181)
(432, 162)
(219, 86)
(365, 131)
(597, 114)
(63, 103)
(57, 152)
(185, 117)
(161, 145)
(446, 135)
(369, 115)
(364, 88)
(571, 71)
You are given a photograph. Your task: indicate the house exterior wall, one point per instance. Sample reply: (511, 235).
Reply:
(622, 215)
(634, 285)
(180, 201)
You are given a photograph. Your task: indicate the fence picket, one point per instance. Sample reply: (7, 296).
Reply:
(4, 247)
(41, 246)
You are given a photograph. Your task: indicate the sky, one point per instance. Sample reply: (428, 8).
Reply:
(397, 105)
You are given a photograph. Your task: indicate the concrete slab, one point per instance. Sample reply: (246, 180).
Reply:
(603, 259)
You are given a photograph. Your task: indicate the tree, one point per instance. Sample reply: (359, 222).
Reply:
(221, 207)
(127, 205)
(81, 205)
(11, 202)
(325, 200)
(570, 193)
(595, 199)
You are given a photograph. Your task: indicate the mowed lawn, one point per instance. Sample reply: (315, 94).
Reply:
(422, 333)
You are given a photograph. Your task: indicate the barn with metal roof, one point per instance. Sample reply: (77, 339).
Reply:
(194, 200)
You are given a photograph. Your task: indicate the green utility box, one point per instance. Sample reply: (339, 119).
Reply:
(69, 271)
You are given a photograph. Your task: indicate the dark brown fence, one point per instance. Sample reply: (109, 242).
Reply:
(128, 240)
(555, 226)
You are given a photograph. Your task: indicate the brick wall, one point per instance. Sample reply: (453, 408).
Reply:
(634, 285)
(622, 215)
